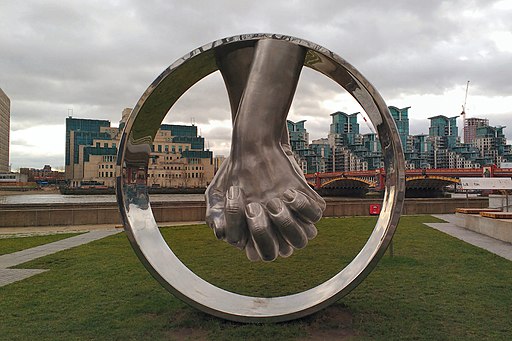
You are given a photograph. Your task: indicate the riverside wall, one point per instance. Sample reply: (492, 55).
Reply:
(108, 213)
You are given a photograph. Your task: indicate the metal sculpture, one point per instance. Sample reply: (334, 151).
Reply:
(259, 200)
(266, 218)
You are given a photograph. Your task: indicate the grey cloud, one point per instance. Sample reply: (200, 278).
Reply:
(99, 57)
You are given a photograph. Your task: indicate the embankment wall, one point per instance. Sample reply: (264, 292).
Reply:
(108, 213)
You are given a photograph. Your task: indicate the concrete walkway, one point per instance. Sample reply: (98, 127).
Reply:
(93, 232)
(452, 227)
(7, 232)
(8, 276)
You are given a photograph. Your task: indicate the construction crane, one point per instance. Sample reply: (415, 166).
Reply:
(367, 123)
(463, 113)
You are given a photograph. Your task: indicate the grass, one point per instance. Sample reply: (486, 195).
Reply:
(12, 244)
(435, 288)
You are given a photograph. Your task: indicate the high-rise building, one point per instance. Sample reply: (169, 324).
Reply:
(470, 126)
(299, 141)
(401, 117)
(344, 126)
(5, 123)
(492, 144)
(80, 135)
(346, 149)
(178, 158)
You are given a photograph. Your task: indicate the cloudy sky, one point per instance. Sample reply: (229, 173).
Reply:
(91, 59)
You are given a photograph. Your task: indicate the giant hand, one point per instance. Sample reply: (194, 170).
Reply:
(259, 199)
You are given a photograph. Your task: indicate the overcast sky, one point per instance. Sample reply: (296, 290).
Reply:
(91, 59)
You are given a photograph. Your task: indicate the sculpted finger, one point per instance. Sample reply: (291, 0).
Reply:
(291, 231)
(319, 200)
(310, 230)
(236, 228)
(218, 224)
(251, 252)
(285, 249)
(263, 236)
(214, 197)
(307, 209)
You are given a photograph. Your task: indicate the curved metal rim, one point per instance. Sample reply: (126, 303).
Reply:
(163, 264)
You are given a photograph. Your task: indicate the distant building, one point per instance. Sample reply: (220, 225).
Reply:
(83, 137)
(43, 175)
(443, 137)
(299, 141)
(6, 178)
(470, 126)
(178, 158)
(217, 162)
(346, 143)
(492, 144)
(345, 149)
(401, 117)
(5, 124)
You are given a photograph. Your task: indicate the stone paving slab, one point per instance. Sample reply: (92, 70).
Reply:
(16, 258)
(8, 232)
(8, 276)
(498, 247)
(93, 232)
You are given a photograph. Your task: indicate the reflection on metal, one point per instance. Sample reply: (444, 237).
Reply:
(140, 225)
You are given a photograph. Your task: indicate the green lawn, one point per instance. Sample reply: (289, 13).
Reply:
(10, 244)
(435, 288)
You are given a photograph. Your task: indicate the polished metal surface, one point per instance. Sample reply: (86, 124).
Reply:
(250, 204)
(266, 210)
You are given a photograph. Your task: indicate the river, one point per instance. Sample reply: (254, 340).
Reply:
(53, 198)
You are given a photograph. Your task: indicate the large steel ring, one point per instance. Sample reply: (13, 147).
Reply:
(142, 229)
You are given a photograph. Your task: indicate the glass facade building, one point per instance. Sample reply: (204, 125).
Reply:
(346, 149)
(176, 160)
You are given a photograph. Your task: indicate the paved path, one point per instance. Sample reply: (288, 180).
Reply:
(7, 232)
(93, 232)
(8, 276)
(452, 227)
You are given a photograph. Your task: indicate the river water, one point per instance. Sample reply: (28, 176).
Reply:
(53, 198)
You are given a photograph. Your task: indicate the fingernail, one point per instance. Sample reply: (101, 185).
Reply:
(275, 206)
(289, 195)
(233, 192)
(253, 209)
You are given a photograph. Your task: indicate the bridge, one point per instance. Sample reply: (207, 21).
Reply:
(419, 182)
